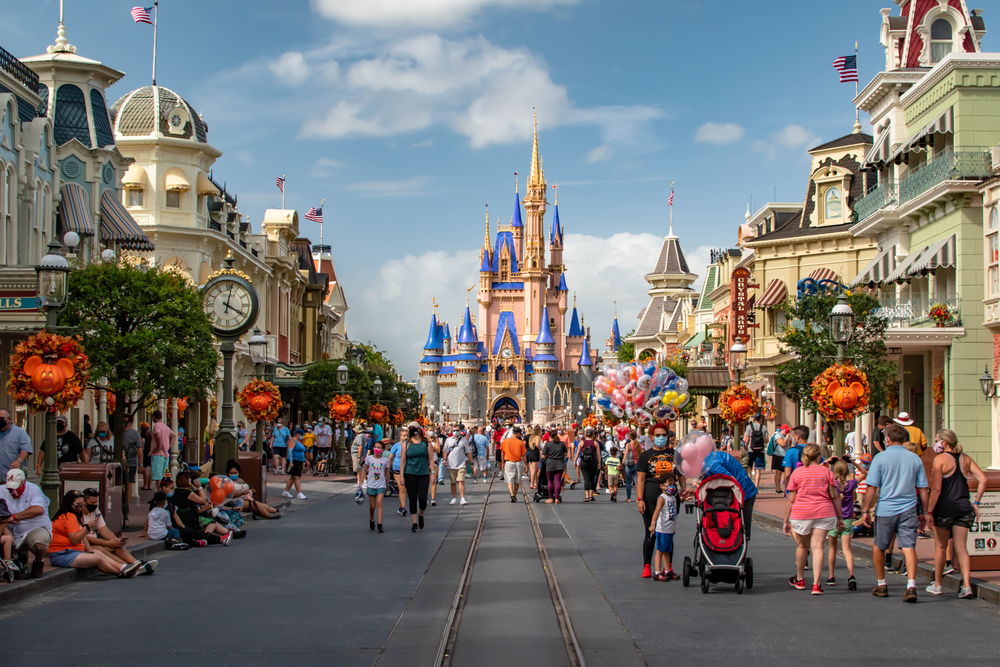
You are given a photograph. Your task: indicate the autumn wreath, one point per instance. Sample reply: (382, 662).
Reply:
(260, 401)
(737, 403)
(398, 418)
(610, 420)
(841, 392)
(48, 372)
(939, 389)
(343, 408)
(768, 409)
(378, 413)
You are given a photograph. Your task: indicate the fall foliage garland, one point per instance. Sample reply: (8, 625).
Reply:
(744, 400)
(252, 401)
(43, 354)
(845, 385)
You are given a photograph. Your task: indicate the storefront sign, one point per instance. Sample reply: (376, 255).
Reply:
(18, 300)
(738, 300)
(984, 536)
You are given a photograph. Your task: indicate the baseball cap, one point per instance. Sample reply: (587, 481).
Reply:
(61, 419)
(15, 478)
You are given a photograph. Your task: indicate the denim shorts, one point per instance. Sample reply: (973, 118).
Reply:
(375, 492)
(64, 558)
(903, 526)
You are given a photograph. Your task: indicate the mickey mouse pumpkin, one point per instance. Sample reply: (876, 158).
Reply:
(847, 397)
(841, 392)
(48, 379)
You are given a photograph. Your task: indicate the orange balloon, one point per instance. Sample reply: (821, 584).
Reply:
(218, 496)
(215, 483)
(228, 487)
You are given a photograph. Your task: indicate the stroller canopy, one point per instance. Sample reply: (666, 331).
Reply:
(720, 482)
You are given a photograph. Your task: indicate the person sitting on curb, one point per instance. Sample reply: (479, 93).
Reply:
(178, 531)
(69, 546)
(246, 502)
(29, 522)
(101, 537)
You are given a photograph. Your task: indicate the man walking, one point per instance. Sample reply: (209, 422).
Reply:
(793, 454)
(482, 445)
(899, 476)
(459, 455)
(514, 454)
(756, 442)
(159, 450)
(324, 438)
(15, 445)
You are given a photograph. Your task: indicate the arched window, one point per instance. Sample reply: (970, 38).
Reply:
(941, 43)
(833, 203)
(994, 216)
(7, 252)
(70, 118)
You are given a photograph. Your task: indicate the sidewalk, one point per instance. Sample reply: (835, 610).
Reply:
(769, 510)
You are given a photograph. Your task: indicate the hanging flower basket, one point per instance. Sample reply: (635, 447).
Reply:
(343, 408)
(768, 409)
(48, 372)
(841, 392)
(939, 389)
(260, 401)
(737, 404)
(378, 412)
(940, 313)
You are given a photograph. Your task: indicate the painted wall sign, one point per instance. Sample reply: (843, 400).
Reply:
(738, 300)
(18, 300)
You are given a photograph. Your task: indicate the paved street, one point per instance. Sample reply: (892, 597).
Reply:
(317, 587)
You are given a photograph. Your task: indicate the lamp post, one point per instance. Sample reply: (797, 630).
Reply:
(738, 364)
(377, 390)
(51, 287)
(987, 384)
(258, 354)
(841, 325)
(342, 375)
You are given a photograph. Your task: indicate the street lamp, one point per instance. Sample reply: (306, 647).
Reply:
(377, 387)
(987, 384)
(258, 355)
(342, 375)
(738, 364)
(841, 325)
(51, 287)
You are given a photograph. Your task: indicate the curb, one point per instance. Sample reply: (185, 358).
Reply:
(986, 591)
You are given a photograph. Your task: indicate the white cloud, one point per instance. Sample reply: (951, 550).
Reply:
(597, 154)
(346, 119)
(325, 167)
(426, 143)
(244, 156)
(291, 69)
(718, 133)
(416, 186)
(790, 136)
(423, 13)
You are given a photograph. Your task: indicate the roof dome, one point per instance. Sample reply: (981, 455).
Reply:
(154, 111)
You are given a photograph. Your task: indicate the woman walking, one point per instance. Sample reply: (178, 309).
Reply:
(811, 512)
(534, 454)
(296, 460)
(396, 455)
(554, 454)
(417, 463)
(949, 505)
(630, 461)
(654, 465)
(376, 470)
(588, 461)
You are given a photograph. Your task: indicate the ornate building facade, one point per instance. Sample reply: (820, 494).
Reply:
(520, 361)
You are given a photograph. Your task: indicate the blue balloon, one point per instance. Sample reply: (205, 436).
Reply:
(604, 403)
(650, 370)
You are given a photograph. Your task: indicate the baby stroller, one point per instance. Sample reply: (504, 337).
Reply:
(542, 488)
(720, 544)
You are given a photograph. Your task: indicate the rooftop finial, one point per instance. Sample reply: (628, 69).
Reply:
(555, 191)
(487, 241)
(517, 184)
(574, 299)
(537, 177)
(747, 216)
(62, 44)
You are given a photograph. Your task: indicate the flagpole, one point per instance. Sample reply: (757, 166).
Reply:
(857, 112)
(156, 4)
(282, 192)
(321, 202)
(671, 210)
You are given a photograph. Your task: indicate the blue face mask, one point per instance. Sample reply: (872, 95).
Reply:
(170, 494)
(234, 477)
(660, 441)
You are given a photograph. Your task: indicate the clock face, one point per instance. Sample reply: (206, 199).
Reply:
(506, 353)
(230, 305)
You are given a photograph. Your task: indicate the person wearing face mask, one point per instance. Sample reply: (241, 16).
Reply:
(71, 548)
(651, 471)
(15, 445)
(102, 445)
(102, 539)
(376, 470)
(297, 459)
(245, 502)
(417, 463)
(29, 522)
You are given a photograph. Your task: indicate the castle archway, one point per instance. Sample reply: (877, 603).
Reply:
(506, 408)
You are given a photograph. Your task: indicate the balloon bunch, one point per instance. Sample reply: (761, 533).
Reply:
(641, 393)
(221, 489)
(693, 454)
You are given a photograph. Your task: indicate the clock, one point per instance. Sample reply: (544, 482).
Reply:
(506, 353)
(231, 304)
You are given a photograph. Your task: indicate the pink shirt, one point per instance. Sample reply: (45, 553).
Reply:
(162, 437)
(812, 492)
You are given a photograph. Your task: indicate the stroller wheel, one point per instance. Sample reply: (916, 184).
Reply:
(704, 584)
(739, 586)
(686, 572)
(749, 569)
(572, 485)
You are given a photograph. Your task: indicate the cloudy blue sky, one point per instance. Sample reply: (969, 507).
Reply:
(409, 116)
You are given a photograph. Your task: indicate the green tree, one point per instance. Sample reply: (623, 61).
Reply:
(807, 338)
(145, 330)
(626, 352)
(319, 386)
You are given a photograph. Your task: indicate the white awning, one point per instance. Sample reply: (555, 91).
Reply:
(900, 273)
(877, 269)
(940, 254)
(176, 180)
(943, 124)
(879, 153)
(134, 178)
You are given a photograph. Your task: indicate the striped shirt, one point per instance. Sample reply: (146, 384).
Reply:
(812, 492)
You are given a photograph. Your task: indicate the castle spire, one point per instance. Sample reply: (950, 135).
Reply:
(486, 242)
(537, 177)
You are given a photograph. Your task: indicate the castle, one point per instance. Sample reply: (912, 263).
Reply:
(526, 365)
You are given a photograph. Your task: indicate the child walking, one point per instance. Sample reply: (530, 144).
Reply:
(376, 470)
(612, 468)
(848, 485)
(664, 518)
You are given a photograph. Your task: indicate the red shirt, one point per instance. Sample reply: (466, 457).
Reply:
(812, 492)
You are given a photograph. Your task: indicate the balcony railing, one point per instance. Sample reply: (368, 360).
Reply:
(916, 311)
(952, 164)
(21, 72)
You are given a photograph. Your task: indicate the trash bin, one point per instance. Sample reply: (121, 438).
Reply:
(254, 473)
(108, 478)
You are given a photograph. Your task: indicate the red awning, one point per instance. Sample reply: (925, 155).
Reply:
(775, 293)
(824, 274)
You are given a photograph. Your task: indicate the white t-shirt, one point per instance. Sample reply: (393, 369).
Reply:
(851, 442)
(90, 516)
(377, 470)
(668, 515)
(32, 496)
(457, 453)
(323, 435)
(159, 523)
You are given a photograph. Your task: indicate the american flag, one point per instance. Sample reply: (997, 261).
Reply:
(141, 15)
(670, 201)
(848, 68)
(280, 182)
(315, 214)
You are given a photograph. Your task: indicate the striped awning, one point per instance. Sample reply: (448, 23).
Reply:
(74, 210)
(940, 254)
(943, 124)
(901, 273)
(118, 226)
(775, 293)
(879, 153)
(877, 269)
(823, 273)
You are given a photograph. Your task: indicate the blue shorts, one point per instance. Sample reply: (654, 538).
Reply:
(665, 543)
(755, 460)
(376, 492)
(64, 558)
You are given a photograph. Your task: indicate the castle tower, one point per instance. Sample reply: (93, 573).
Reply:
(466, 362)
(585, 368)
(533, 261)
(447, 339)
(615, 340)
(430, 366)
(546, 366)
(516, 225)
(556, 267)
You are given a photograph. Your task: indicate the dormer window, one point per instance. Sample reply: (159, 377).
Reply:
(833, 203)
(941, 40)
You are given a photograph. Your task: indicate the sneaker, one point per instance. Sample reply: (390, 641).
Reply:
(659, 576)
(399, 511)
(513, 499)
(463, 501)
(673, 576)
(881, 591)
(966, 593)
(910, 595)
(797, 584)
(935, 590)
(453, 501)
(380, 528)
(420, 522)
(817, 589)
(227, 539)
(646, 572)
(301, 496)
(949, 569)
(403, 512)
(831, 582)
(286, 494)
(413, 528)
(371, 524)
(149, 566)
(131, 570)
(852, 583)
(433, 502)
(201, 543)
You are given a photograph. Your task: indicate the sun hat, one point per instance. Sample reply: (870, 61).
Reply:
(904, 419)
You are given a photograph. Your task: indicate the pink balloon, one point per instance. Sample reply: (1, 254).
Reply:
(706, 445)
(619, 398)
(689, 451)
(690, 469)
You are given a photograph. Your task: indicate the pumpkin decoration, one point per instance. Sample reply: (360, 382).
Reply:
(768, 409)
(259, 400)
(841, 392)
(737, 403)
(343, 408)
(182, 405)
(48, 372)
(110, 397)
(378, 412)
(938, 388)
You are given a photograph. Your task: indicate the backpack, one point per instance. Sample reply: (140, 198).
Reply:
(587, 453)
(757, 443)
